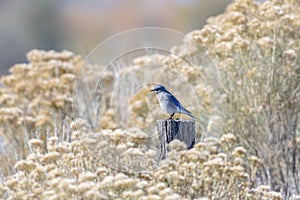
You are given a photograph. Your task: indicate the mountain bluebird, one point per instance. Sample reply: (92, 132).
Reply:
(168, 102)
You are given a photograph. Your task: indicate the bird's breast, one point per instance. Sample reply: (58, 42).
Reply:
(167, 105)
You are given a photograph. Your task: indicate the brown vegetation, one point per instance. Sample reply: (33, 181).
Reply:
(49, 155)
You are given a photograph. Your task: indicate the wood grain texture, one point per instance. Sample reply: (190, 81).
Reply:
(170, 129)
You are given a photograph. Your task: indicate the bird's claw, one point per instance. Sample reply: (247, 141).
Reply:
(171, 117)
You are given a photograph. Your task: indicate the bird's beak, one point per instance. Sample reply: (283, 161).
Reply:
(152, 90)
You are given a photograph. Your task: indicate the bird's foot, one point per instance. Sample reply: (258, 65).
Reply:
(171, 117)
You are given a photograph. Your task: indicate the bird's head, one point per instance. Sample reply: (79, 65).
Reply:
(158, 88)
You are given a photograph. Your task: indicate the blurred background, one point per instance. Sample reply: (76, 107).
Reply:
(79, 26)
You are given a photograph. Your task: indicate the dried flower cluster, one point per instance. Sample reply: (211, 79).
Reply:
(75, 170)
(256, 45)
(36, 98)
(171, 70)
(204, 98)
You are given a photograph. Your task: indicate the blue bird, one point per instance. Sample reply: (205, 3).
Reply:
(169, 103)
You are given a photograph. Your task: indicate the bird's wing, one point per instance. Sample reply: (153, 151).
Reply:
(186, 112)
(174, 100)
(178, 105)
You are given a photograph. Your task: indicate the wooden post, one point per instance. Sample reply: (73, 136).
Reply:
(170, 129)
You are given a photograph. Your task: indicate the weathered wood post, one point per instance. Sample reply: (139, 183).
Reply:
(170, 129)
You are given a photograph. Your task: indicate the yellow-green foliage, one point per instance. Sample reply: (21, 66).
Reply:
(256, 46)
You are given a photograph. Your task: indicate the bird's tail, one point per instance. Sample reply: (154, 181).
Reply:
(186, 112)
